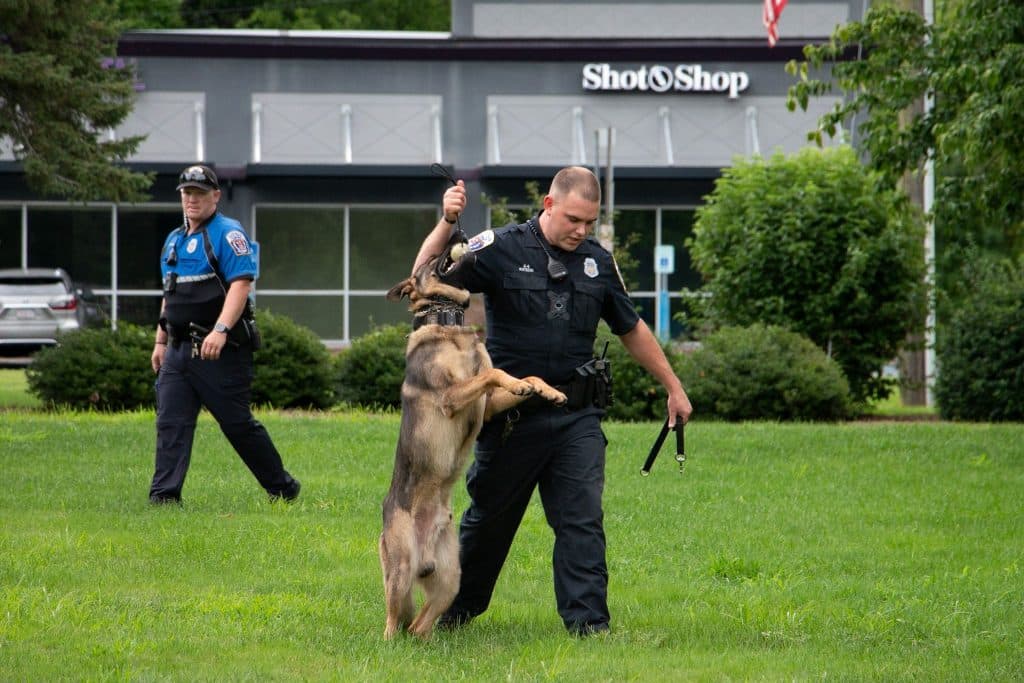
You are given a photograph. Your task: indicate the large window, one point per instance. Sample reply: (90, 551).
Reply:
(77, 240)
(301, 248)
(10, 237)
(639, 231)
(302, 274)
(384, 244)
(81, 240)
(676, 228)
(140, 236)
(329, 268)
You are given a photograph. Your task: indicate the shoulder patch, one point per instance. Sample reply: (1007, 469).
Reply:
(239, 242)
(481, 241)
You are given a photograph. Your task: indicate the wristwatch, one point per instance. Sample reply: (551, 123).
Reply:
(221, 327)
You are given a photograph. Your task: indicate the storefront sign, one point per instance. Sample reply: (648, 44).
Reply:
(659, 78)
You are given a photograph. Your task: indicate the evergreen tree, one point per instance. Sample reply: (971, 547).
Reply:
(61, 92)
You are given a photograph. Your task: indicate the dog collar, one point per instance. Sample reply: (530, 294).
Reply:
(439, 315)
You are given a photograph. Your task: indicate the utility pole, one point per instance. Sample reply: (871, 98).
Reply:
(917, 366)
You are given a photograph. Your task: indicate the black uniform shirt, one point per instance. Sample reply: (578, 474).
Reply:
(536, 326)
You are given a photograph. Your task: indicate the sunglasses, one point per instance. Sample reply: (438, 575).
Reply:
(196, 175)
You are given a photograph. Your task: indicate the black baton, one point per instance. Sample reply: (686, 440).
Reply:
(680, 447)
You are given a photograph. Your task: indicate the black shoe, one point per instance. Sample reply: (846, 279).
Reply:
(450, 621)
(158, 499)
(289, 494)
(587, 630)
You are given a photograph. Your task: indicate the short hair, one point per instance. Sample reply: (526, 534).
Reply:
(576, 179)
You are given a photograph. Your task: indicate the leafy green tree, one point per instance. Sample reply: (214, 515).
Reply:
(151, 14)
(301, 18)
(811, 243)
(972, 62)
(60, 92)
(395, 15)
(215, 13)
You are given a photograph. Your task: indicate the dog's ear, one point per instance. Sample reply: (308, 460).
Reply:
(402, 289)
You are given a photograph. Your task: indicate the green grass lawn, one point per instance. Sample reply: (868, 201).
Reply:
(868, 551)
(14, 390)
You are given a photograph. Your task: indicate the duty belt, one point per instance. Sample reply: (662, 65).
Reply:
(176, 334)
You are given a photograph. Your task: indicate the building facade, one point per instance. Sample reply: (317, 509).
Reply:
(324, 141)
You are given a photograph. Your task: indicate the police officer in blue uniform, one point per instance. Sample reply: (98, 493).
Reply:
(546, 285)
(203, 351)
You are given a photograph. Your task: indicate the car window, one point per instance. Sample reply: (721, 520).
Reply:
(32, 285)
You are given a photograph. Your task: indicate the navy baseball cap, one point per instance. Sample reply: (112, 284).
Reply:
(202, 177)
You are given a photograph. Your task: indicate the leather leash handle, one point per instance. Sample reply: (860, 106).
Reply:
(653, 455)
(680, 445)
(656, 448)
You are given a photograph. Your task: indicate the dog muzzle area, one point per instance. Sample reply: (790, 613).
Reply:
(452, 261)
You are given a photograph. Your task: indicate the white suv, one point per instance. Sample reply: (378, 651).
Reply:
(39, 304)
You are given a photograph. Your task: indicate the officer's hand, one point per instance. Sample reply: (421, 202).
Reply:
(157, 359)
(454, 202)
(679, 408)
(212, 345)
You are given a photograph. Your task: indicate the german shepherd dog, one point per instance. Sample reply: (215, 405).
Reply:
(449, 389)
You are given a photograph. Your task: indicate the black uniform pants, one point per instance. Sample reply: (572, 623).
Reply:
(562, 454)
(224, 386)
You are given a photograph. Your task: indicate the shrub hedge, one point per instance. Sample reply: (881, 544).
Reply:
(740, 373)
(370, 372)
(766, 373)
(981, 348)
(96, 368)
(293, 369)
(108, 369)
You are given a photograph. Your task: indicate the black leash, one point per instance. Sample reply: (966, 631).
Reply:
(680, 447)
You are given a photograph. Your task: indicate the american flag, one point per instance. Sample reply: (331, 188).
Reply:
(772, 10)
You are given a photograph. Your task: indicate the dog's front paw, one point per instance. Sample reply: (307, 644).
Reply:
(523, 388)
(556, 397)
(546, 391)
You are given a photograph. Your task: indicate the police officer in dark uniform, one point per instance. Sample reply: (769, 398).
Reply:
(546, 285)
(204, 344)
